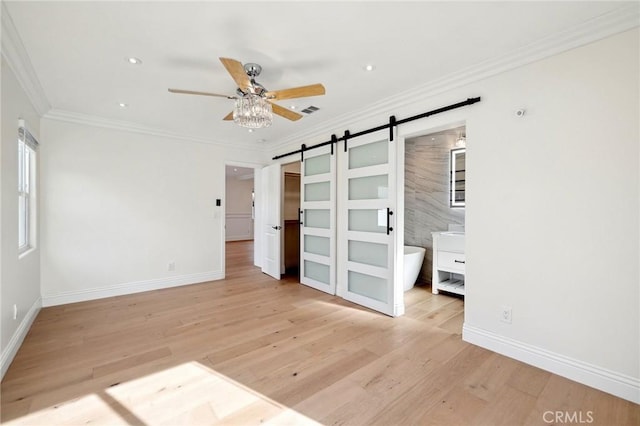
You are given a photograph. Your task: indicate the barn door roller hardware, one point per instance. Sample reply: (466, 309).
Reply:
(393, 122)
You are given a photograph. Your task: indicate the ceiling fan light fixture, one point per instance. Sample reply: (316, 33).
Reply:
(252, 111)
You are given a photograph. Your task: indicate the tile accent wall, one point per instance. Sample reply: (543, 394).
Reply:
(426, 193)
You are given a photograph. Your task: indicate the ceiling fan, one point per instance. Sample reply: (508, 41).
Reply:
(254, 106)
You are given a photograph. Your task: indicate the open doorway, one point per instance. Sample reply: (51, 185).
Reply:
(239, 207)
(290, 209)
(427, 193)
(428, 209)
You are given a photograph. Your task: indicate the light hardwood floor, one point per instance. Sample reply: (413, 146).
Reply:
(249, 349)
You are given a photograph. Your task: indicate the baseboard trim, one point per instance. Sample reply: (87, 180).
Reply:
(129, 288)
(612, 382)
(18, 337)
(246, 237)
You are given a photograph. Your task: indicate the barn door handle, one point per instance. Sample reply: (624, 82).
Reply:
(389, 214)
(300, 212)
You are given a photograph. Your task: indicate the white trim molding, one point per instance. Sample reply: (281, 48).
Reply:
(14, 52)
(14, 344)
(238, 227)
(399, 309)
(126, 126)
(612, 382)
(615, 22)
(129, 288)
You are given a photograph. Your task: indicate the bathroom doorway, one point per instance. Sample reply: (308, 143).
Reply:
(427, 208)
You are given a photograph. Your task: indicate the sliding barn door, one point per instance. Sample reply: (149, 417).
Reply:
(317, 220)
(367, 208)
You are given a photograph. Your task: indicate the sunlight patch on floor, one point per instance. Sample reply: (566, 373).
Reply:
(355, 310)
(88, 408)
(188, 394)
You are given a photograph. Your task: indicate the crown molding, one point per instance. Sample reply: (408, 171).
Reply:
(617, 21)
(14, 52)
(614, 22)
(126, 126)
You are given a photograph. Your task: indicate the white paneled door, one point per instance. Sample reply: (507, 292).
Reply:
(317, 220)
(366, 218)
(272, 224)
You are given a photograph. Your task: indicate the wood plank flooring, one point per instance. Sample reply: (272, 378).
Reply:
(249, 349)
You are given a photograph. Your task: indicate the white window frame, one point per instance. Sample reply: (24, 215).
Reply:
(27, 146)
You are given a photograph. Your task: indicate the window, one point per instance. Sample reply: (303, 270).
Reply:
(26, 189)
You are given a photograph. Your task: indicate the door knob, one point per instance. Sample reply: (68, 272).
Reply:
(277, 227)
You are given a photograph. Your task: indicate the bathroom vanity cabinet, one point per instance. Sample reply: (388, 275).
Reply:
(448, 262)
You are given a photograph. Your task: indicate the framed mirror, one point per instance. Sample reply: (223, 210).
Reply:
(457, 177)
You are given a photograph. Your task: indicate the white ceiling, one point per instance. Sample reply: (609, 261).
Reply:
(237, 172)
(78, 52)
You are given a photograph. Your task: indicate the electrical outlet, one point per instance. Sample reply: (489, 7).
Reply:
(506, 314)
(15, 311)
(171, 266)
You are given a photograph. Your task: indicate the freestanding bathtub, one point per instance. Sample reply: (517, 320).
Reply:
(413, 258)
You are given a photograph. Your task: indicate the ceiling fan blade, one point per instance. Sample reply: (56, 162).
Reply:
(192, 92)
(228, 117)
(237, 72)
(286, 113)
(297, 92)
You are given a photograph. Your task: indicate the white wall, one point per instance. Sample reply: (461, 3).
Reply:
(239, 223)
(239, 195)
(118, 207)
(20, 276)
(552, 214)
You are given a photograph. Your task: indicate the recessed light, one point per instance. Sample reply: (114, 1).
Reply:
(123, 105)
(250, 130)
(293, 107)
(134, 61)
(369, 67)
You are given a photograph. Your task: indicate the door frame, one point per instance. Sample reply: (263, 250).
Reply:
(257, 221)
(412, 130)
